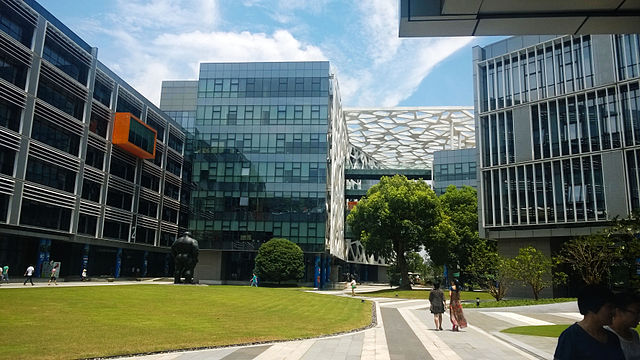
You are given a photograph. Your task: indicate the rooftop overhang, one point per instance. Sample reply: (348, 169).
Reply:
(420, 18)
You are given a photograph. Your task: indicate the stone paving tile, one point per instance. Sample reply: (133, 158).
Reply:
(246, 353)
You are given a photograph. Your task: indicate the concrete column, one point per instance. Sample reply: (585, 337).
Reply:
(603, 59)
(615, 187)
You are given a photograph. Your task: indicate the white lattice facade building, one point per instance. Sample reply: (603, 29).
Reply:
(406, 138)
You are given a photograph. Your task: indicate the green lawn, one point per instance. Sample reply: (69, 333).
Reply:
(80, 322)
(540, 330)
(424, 294)
(518, 302)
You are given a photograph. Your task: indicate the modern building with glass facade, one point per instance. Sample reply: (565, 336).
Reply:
(558, 123)
(268, 144)
(74, 188)
(454, 167)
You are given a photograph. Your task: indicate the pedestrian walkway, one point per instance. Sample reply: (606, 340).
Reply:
(405, 330)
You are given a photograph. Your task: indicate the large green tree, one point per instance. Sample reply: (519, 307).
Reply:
(490, 270)
(398, 216)
(279, 260)
(533, 268)
(461, 206)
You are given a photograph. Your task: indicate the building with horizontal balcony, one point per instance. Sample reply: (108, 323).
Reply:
(559, 126)
(90, 170)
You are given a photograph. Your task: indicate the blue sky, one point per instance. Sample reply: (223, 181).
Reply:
(147, 41)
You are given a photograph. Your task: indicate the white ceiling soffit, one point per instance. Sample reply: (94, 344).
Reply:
(408, 137)
(508, 17)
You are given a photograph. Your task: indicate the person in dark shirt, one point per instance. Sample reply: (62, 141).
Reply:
(587, 339)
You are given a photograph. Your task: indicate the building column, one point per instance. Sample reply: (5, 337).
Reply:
(43, 255)
(85, 257)
(143, 272)
(316, 277)
(116, 272)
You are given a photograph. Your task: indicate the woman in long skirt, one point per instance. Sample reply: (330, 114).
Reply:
(455, 307)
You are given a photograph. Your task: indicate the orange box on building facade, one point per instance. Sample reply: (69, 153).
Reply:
(133, 136)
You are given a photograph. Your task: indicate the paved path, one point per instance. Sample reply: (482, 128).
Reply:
(405, 331)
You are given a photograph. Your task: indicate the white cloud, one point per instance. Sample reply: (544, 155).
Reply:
(397, 65)
(374, 66)
(164, 14)
(176, 56)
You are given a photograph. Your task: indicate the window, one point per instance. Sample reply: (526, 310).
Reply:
(122, 169)
(166, 239)
(148, 208)
(102, 93)
(87, 224)
(45, 215)
(13, 71)
(169, 214)
(119, 199)
(125, 106)
(175, 143)
(47, 174)
(15, 26)
(141, 136)
(116, 230)
(91, 190)
(10, 115)
(66, 62)
(174, 167)
(149, 181)
(53, 135)
(159, 128)
(171, 190)
(7, 160)
(98, 125)
(94, 158)
(60, 98)
(145, 235)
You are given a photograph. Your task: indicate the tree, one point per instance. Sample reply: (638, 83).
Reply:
(490, 270)
(415, 264)
(625, 234)
(398, 216)
(461, 206)
(279, 260)
(591, 256)
(533, 268)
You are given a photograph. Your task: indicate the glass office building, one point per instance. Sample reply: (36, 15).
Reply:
(268, 145)
(454, 167)
(557, 119)
(67, 192)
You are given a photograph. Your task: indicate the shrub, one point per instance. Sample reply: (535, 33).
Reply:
(279, 260)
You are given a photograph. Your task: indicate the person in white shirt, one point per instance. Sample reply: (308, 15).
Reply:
(625, 319)
(29, 275)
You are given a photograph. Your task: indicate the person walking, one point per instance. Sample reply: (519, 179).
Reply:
(54, 276)
(29, 275)
(6, 273)
(587, 339)
(1, 274)
(353, 286)
(254, 280)
(625, 320)
(455, 307)
(436, 299)
(84, 275)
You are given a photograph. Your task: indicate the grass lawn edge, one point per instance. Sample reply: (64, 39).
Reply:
(373, 323)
